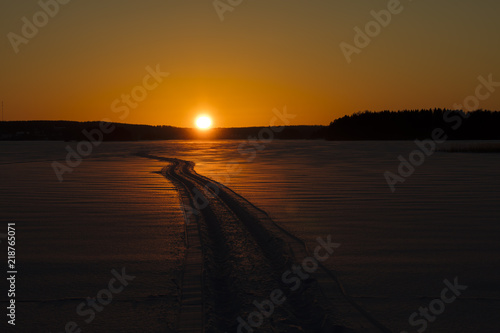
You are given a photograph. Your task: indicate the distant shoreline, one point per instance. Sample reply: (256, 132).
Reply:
(405, 125)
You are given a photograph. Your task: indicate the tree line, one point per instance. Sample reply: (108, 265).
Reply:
(415, 124)
(367, 125)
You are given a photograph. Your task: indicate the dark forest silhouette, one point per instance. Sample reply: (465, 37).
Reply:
(385, 125)
(415, 124)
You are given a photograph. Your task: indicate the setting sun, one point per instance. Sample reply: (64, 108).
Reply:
(203, 122)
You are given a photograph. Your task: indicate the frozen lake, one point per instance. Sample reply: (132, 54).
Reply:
(115, 211)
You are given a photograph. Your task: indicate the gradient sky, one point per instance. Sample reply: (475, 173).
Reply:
(265, 54)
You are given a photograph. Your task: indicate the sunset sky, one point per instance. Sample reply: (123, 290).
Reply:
(263, 55)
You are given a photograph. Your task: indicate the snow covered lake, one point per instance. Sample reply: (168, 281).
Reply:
(115, 211)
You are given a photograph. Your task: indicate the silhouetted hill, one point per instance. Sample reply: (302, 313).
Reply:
(75, 131)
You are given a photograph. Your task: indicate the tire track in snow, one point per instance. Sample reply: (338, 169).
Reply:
(236, 254)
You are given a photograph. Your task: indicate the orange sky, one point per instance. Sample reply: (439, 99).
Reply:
(264, 55)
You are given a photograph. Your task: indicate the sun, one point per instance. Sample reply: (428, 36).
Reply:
(203, 122)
